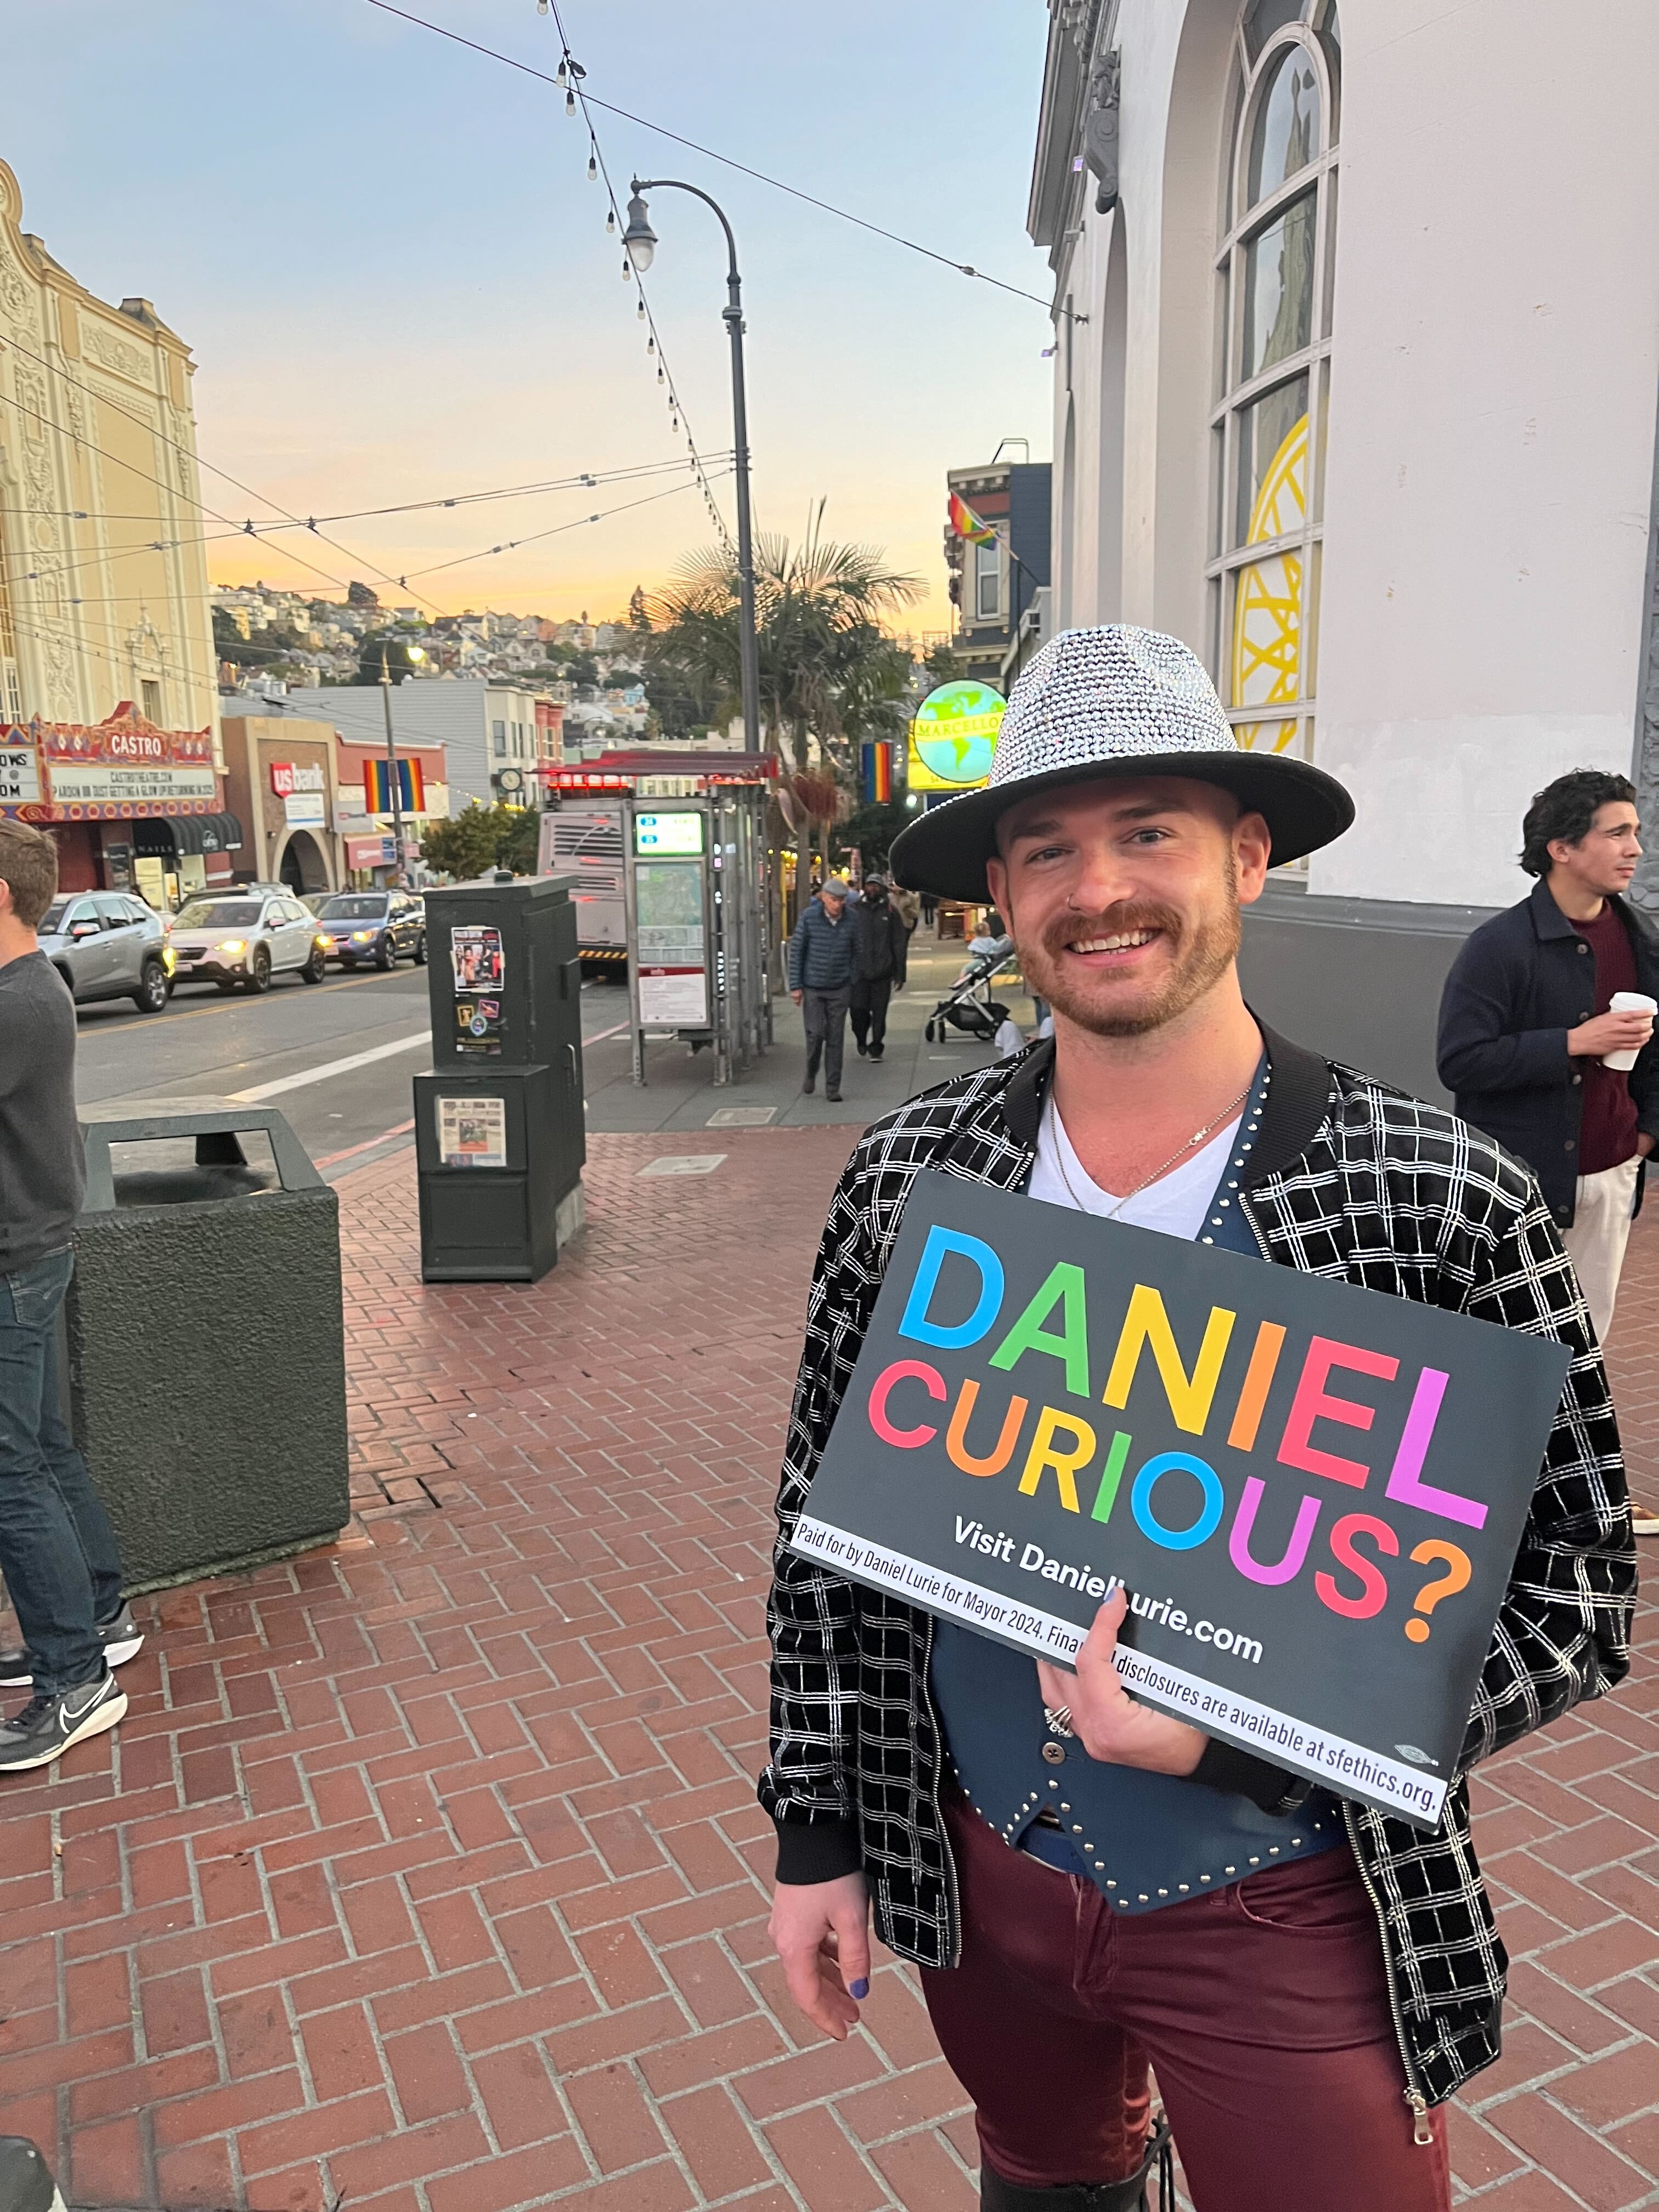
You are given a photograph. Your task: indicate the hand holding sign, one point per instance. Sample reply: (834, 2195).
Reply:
(1106, 1720)
(1275, 1584)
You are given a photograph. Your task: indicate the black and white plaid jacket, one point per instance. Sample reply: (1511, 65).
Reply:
(1355, 1181)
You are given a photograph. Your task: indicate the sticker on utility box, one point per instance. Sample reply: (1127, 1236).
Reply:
(479, 1028)
(477, 960)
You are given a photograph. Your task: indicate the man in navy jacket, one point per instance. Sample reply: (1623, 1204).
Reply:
(1525, 1028)
(822, 962)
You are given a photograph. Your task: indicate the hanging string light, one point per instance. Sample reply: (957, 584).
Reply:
(570, 74)
(592, 171)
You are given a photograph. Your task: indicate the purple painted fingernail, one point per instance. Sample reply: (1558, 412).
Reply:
(859, 1989)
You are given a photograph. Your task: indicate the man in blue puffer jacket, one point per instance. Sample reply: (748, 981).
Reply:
(823, 954)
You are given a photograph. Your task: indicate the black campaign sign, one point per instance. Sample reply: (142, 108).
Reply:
(1313, 1493)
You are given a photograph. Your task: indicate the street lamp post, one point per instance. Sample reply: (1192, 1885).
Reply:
(394, 782)
(640, 243)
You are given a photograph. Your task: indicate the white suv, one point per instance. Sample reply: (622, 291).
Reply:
(243, 942)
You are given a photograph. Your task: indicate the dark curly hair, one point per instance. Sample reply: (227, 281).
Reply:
(1566, 809)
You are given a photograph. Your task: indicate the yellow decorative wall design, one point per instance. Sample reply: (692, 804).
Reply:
(1267, 606)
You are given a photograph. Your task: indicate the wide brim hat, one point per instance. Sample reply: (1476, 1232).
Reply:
(1114, 702)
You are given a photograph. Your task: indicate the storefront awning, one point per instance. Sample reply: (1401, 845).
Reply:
(205, 833)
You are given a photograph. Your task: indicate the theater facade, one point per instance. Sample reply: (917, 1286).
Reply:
(109, 706)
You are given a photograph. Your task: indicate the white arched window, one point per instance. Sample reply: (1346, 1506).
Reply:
(1272, 369)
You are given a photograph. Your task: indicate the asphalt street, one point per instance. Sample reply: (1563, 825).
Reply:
(336, 1057)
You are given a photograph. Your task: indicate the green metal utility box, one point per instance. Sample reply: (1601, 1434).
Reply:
(499, 1136)
(205, 1344)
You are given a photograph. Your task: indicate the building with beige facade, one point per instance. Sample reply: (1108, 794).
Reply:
(108, 717)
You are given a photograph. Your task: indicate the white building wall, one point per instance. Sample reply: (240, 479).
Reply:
(1490, 451)
(1495, 376)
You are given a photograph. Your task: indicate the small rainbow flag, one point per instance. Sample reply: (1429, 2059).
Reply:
(966, 524)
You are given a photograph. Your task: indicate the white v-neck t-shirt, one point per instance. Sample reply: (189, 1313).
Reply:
(1175, 1204)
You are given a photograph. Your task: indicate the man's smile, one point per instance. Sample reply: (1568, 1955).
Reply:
(1117, 948)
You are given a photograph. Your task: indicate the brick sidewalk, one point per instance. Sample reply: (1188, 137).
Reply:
(426, 1872)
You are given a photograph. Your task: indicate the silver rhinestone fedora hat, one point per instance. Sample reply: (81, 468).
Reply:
(1118, 700)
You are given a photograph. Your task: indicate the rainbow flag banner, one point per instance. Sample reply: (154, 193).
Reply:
(1312, 1494)
(878, 773)
(377, 787)
(968, 525)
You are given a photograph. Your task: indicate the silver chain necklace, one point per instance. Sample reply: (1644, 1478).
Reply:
(1163, 1169)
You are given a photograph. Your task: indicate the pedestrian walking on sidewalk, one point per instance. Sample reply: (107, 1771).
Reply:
(1306, 2018)
(882, 947)
(1547, 1029)
(58, 1557)
(823, 956)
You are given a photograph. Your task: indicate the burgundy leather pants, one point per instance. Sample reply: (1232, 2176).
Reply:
(1262, 2008)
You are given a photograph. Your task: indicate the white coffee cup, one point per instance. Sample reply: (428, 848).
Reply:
(1628, 1002)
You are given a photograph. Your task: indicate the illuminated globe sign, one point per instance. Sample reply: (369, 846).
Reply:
(953, 737)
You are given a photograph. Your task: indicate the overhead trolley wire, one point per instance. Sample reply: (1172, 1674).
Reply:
(91, 445)
(575, 95)
(104, 399)
(727, 161)
(66, 568)
(583, 480)
(559, 528)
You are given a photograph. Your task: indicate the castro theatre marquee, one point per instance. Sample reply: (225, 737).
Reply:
(110, 777)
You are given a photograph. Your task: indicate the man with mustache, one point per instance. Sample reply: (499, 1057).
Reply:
(1310, 1979)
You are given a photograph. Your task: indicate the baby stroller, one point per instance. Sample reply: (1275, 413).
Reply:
(969, 1005)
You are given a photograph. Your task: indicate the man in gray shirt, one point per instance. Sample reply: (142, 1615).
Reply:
(57, 1554)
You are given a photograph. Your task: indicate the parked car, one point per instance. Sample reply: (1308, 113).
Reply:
(378, 925)
(108, 944)
(241, 943)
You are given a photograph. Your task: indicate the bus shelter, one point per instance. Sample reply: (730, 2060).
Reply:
(681, 837)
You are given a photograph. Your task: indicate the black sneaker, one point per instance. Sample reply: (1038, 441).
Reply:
(47, 1726)
(809, 1086)
(122, 1640)
(862, 1049)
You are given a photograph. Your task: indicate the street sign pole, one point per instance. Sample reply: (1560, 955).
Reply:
(394, 781)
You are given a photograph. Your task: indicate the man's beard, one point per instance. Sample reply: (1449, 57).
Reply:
(1201, 951)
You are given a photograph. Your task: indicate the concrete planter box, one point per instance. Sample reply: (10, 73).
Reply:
(205, 1342)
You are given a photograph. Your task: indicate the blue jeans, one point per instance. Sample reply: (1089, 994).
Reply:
(57, 1551)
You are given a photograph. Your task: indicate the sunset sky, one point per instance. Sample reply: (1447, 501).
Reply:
(396, 281)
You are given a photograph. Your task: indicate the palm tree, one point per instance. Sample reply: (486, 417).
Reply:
(829, 672)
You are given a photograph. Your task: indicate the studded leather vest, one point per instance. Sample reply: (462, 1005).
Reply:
(1146, 1840)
